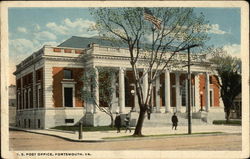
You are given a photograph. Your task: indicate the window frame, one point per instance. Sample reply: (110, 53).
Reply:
(65, 76)
(68, 85)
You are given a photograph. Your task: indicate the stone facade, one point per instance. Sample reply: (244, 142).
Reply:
(49, 86)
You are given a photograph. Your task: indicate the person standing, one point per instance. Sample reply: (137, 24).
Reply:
(174, 121)
(127, 123)
(118, 122)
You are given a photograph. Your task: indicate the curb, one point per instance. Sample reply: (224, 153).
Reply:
(173, 136)
(125, 139)
(65, 138)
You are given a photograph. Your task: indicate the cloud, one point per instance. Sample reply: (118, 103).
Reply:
(45, 35)
(233, 49)
(22, 29)
(215, 29)
(73, 27)
(57, 28)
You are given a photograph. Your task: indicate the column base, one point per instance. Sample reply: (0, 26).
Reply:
(167, 111)
(158, 111)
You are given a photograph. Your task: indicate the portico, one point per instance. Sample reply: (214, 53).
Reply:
(169, 92)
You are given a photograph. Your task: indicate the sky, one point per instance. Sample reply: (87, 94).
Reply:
(31, 28)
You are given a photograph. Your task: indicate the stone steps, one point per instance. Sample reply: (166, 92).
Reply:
(163, 119)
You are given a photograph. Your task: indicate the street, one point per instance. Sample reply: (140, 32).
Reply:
(20, 140)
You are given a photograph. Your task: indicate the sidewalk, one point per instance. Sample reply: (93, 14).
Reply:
(97, 136)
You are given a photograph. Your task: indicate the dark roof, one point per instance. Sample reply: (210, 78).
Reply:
(83, 42)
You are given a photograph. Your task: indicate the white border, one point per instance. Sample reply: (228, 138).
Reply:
(125, 154)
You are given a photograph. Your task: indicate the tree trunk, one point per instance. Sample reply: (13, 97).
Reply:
(227, 116)
(112, 121)
(138, 128)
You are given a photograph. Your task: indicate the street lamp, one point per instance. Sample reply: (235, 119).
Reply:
(133, 93)
(189, 85)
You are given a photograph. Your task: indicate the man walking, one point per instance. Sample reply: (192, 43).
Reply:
(118, 122)
(127, 123)
(174, 121)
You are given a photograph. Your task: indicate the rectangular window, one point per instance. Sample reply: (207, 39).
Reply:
(38, 123)
(29, 123)
(211, 98)
(26, 100)
(183, 95)
(68, 97)
(210, 80)
(67, 74)
(24, 123)
(69, 120)
(30, 99)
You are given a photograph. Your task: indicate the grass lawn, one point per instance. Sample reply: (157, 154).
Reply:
(223, 122)
(162, 135)
(76, 128)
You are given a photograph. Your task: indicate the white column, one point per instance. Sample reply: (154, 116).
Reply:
(167, 91)
(96, 90)
(121, 90)
(114, 108)
(145, 85)
(177, 90)
(186, 89)
(157, 95)
(207, 92)
(197, 92)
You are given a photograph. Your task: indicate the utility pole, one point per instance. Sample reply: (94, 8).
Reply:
(189, 95)
(189, 86)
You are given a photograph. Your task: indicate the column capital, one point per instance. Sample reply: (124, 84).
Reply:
(122, 68)
(167, 70)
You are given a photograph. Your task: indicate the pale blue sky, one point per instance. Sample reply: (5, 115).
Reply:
(31, 28)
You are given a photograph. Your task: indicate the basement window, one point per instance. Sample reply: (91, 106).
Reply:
(69, 120)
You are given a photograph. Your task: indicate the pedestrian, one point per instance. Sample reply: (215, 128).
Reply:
(127, 123)
(174, 121)
(118, 122)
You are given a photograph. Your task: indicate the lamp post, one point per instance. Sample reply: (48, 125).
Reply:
(189, 94)
(189, 84)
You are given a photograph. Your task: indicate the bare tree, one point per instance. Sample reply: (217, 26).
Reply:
(153, 36)
(105, 89)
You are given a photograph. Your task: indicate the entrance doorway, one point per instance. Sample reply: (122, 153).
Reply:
(68, 97)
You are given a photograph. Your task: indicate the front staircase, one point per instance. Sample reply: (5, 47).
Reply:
(164, 119)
